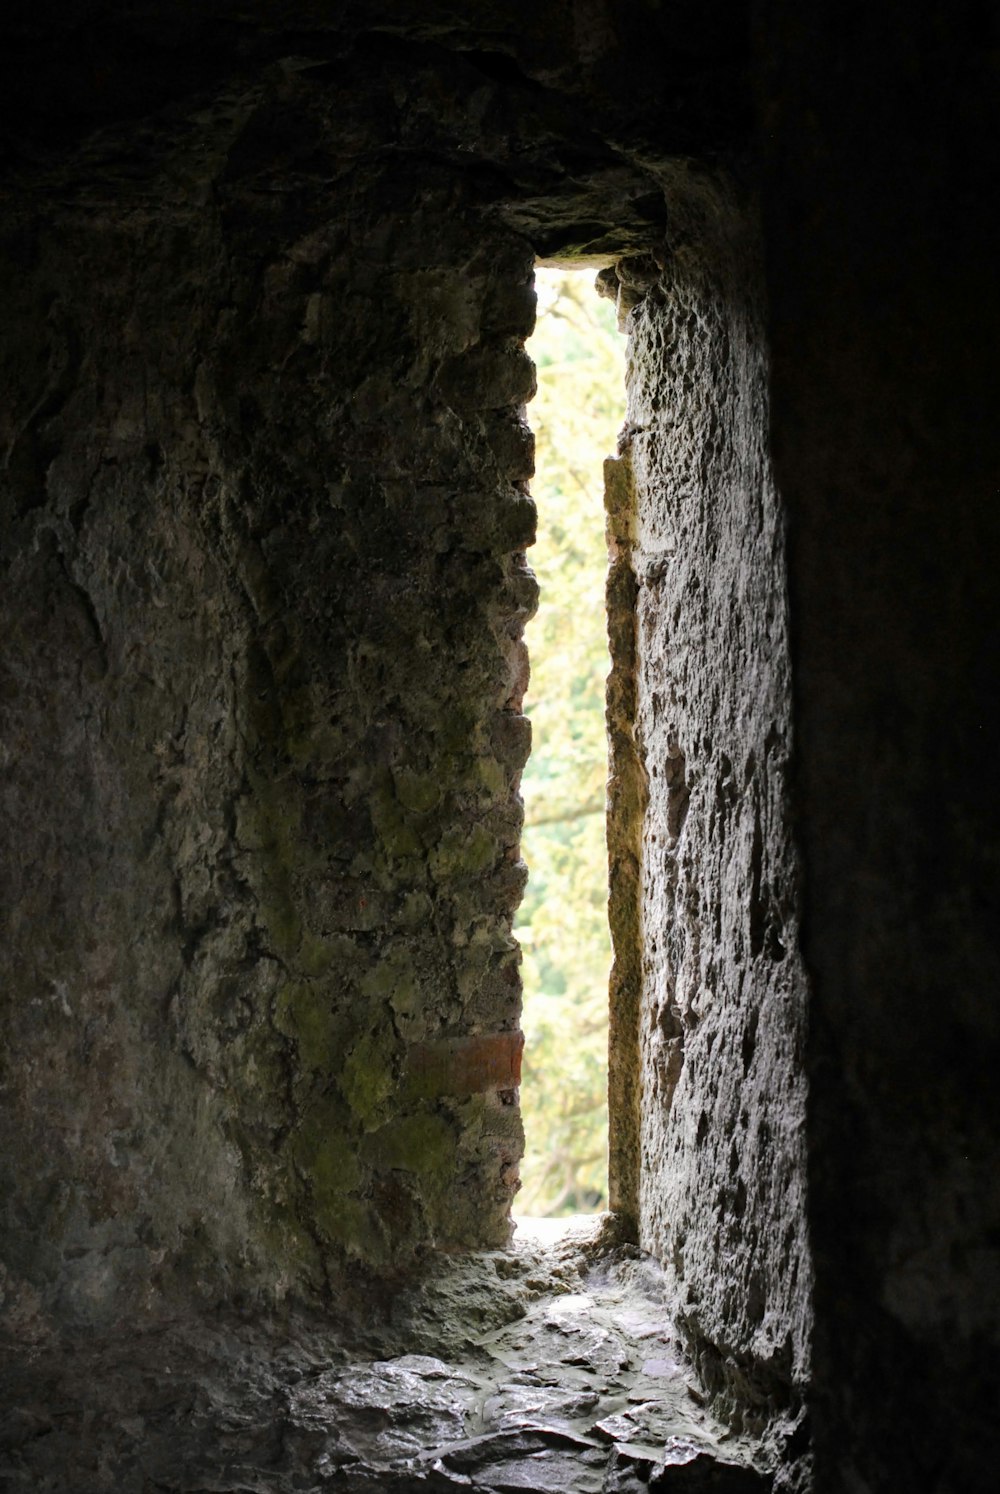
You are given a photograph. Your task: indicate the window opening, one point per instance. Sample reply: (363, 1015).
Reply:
(562, 923)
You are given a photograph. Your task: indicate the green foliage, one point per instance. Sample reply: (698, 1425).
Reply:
(562, 923)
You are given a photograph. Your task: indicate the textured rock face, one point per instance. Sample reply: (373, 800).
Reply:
(515, 1372)
(265, 281)
(264, 529)
(264, 581)
(713, 1046)
(264, 524)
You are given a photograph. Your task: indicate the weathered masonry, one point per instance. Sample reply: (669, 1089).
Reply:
(708, 991)
(265, 518)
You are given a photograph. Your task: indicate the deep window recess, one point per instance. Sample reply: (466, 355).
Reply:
(562, 924)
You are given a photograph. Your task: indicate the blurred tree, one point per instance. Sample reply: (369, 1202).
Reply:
(562, 923)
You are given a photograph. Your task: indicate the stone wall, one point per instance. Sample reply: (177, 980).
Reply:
(264, 538)
(265, 282)
(264, 522)
(711, 1053)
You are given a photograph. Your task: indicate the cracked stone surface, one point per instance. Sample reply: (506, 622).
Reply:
(264, 515)
(709, 993)
(535, 1369)
(263, 521)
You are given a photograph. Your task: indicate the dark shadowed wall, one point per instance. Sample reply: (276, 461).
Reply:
(266, 279)
(880, 128)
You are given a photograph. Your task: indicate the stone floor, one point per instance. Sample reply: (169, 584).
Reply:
(549, 1367)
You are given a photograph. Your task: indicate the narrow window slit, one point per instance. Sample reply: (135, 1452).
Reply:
(562, 924)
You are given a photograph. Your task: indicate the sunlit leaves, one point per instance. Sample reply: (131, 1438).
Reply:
(563, 923)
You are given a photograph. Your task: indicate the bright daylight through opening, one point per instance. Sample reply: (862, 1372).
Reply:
(562, 924)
